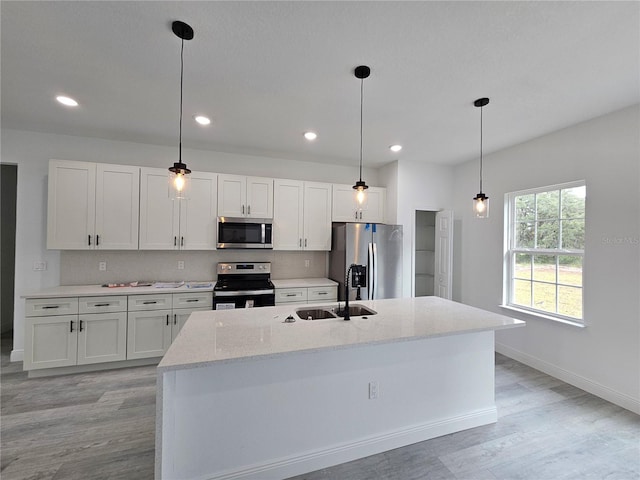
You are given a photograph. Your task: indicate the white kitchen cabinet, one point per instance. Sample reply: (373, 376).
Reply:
(322, 294)
(92, 330)
(240, 196)
(302, 215)
(148, 325)
(344, 205)
(184, 304)
(167, 224)
(92, 206)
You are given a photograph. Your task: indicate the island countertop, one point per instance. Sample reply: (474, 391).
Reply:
(238, 335)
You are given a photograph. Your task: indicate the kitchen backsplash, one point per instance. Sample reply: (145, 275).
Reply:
(82, 267)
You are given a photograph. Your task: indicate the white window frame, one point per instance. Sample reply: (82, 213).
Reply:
(510, 251)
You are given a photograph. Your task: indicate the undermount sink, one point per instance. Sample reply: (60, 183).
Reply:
(357, 311)
(320, 313)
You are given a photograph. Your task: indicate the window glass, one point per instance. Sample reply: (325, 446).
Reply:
(545, 241)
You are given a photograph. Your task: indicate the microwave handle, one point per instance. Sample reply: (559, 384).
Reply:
(263, 230)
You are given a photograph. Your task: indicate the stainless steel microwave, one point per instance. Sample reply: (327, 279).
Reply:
(245, 232)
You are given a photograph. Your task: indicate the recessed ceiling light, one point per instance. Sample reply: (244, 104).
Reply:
(69, 102)
(202, 120)
(395, 148)
(310, 135)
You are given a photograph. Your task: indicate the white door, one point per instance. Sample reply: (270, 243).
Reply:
(374, 208)
(71, 205)
(117, 207)
(317, 216)
(102, 337)
(50, 341)
(232, 195)
(159, 215)
(180, 317)
(198, 214)
(343, 204)
(443, 264)
(288, 214)
(259, 197)
(148, 333)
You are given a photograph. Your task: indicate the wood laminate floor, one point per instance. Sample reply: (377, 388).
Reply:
(100, 426)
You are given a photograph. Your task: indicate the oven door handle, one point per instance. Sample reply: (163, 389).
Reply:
(243, 293)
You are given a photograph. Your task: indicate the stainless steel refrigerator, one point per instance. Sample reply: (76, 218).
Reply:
(376, 246)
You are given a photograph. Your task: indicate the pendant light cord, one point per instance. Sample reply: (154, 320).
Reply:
(361, 102)
(481, 149)
(181, 76)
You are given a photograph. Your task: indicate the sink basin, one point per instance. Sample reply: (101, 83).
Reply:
(357, 311)
(314, 313)
(320, 313)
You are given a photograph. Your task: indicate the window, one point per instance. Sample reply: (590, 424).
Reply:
(545, 251)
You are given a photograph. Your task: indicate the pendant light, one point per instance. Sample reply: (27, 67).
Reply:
(481, 201)
(178, 179)
(361, 72)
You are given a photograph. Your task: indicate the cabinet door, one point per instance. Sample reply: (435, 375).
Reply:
(179, 318)
(345, 209)
(317, 216)
(259, 197)
(102, 337)
(159, 215)
(198, 214)
(50, 341)
(343, 204)
(148, 333)
(117, 207)
(288, 215)
(71, 205)
(374, 209)
(232, 195)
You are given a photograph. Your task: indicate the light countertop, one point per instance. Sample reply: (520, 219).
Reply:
(98, 290)
(242, 334)
(304, 283)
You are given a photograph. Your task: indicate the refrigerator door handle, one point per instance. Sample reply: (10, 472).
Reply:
(371, 270)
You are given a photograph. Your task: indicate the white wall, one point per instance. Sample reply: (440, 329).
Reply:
(604, 357)
(32, 151)
(420, 186)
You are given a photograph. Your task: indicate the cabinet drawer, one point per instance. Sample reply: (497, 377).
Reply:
(44, 307)
(193, 300)
(322, 293)
(150, 302)
(287, 295)
(104, 304)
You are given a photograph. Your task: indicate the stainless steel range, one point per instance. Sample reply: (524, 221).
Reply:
(243, 285)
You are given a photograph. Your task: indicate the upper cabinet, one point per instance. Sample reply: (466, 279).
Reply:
(345, 210)
(92, 205)
(240, 196)
(167, 224)
(302, 215)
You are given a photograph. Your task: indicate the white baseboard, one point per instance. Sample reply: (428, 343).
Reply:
(335, 455)
(621, 399)
(16, 356)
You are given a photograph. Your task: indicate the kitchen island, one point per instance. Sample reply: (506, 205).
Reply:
(244, 394)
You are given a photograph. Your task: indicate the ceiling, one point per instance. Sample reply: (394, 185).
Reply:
(267, 71)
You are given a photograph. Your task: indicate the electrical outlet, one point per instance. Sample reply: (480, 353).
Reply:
(373, 390)
(102, 266)
(306, 263)
(180, 264)
(39, 266)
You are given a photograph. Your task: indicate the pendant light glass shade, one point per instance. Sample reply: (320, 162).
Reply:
(481, 201)
(179, 173)
(360, 186)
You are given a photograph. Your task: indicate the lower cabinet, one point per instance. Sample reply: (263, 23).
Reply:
(306, 295)
(79, 338)
(64, 332)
